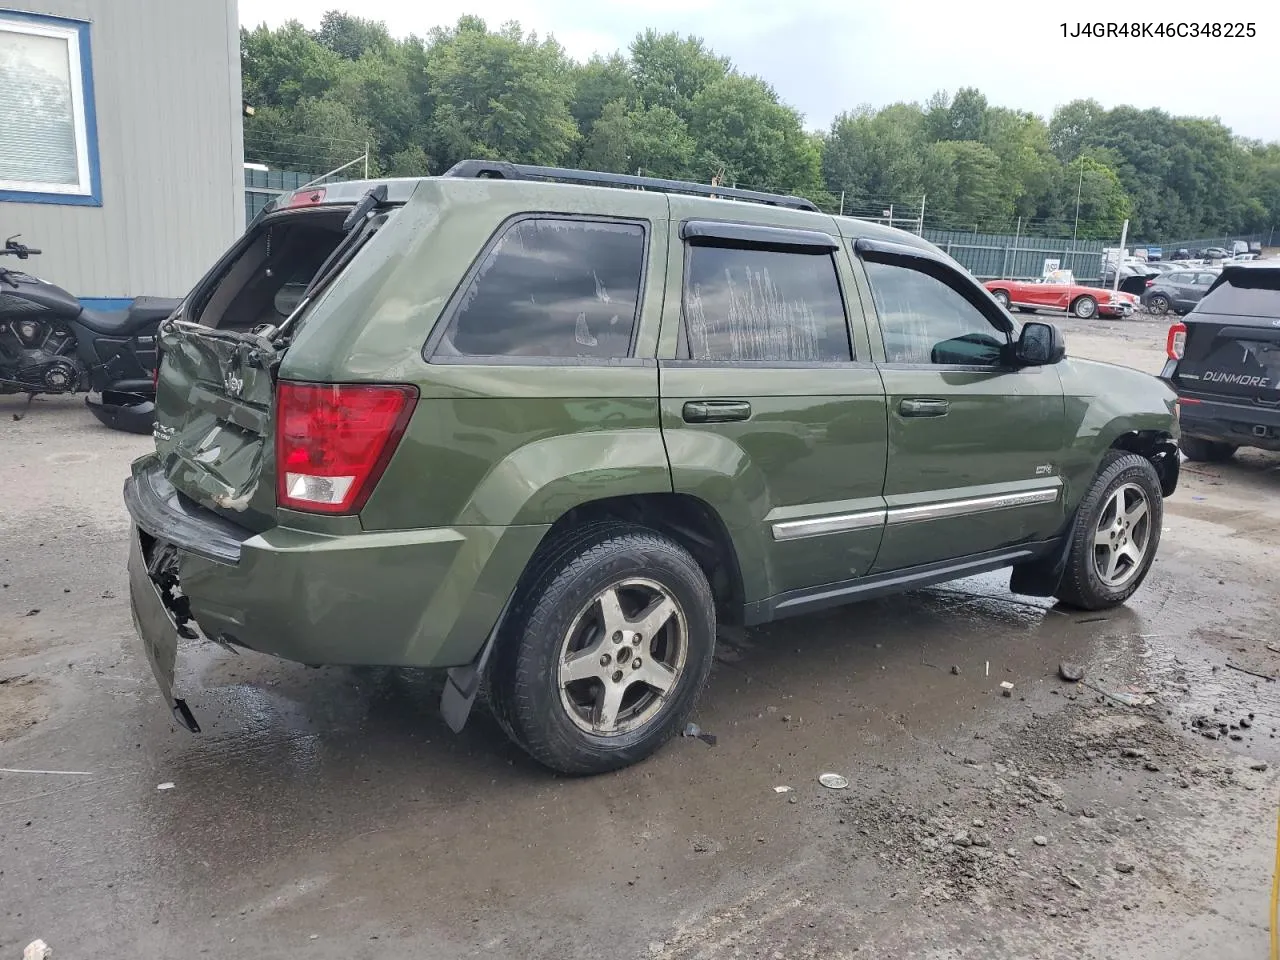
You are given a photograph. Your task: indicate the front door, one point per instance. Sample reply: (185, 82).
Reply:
(771, 413)
(974, 442)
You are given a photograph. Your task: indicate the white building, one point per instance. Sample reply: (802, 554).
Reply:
(120, 140)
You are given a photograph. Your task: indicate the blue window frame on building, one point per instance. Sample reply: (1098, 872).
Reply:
(48, 126)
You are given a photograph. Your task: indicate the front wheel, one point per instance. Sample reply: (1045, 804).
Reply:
(606, 652)
(1085, 307)
(1116, 534)
(1002, 297)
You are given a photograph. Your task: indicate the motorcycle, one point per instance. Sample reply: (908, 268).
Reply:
(50, 344)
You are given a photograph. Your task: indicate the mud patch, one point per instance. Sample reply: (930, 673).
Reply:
(24, 702)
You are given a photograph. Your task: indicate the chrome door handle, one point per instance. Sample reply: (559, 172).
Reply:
(924, 408)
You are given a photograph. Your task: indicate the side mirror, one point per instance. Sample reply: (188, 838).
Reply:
(1040, 344)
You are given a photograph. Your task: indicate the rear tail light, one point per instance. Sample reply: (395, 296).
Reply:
(333, 441)
(1151, 283)
(1177, 342)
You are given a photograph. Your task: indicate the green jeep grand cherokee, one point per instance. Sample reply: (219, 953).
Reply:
(546, 432)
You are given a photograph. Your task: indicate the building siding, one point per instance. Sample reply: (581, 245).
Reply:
(166, 78)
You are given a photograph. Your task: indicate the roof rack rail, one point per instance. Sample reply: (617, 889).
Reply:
(502, 170)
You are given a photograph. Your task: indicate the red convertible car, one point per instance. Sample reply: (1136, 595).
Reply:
(1060, 291)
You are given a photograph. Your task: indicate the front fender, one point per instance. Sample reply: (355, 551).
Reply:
(1106, 405)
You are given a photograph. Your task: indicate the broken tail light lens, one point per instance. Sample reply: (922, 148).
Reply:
(333, 441)
(304, 198)
(1176, 344)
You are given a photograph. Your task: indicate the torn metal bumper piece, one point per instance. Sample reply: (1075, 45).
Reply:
(157, 629)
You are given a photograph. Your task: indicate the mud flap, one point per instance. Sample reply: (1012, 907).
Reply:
(462, 684)
(157, 630)
(1041, 577)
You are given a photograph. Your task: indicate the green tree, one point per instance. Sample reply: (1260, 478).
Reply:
(280, 67)
(317, 135)
(670, 70)
(1104, 205)
(353, 37)
(967, 116)
(983, 195)
(600, 81)
(499, 95)
(1074, 127)
(742, 130)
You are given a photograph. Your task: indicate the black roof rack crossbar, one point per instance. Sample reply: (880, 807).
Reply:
(501, 170)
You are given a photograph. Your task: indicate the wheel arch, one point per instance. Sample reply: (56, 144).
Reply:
(688, 520)
(1071, 307)
(1157, 446)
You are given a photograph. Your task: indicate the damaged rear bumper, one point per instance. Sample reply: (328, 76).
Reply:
(417, 598)
(156, 624)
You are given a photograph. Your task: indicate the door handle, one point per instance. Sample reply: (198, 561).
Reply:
(716, 411)
(924, 408)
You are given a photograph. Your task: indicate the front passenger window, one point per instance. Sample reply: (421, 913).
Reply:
(924, 321)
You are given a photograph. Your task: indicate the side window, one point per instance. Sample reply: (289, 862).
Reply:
(1179, 278)
(925, 321)
(1204, 279)
(763, 304)
(552, 288)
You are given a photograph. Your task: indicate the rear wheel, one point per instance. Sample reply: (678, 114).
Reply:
(1116, 534)
(1158, 304)
(606, 651)
(1207, 451)
(1085, 307)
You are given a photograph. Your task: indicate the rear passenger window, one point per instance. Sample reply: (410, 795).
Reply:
(555, 288)
(764, 305)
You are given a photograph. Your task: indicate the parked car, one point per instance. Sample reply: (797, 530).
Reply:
(1133, 279)
(1060, 291)
(1178, 291)
(505, 432)
(1224, 361)
(1182, 253)
(1214, 253)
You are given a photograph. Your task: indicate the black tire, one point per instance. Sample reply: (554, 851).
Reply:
(1207, 451)
(1082, 585)
(1002, 297)
(566, 578)
(1086, 308)
(1158, 304)
(1026, 309)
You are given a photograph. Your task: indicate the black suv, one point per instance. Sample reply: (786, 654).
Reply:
(1224, 362)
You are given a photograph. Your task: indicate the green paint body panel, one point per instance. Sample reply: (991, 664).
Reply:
(497, 452)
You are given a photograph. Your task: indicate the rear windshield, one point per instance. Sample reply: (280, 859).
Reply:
(1247, 292)
(265, 280)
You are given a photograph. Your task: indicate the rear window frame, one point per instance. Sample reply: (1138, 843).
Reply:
(430, 349)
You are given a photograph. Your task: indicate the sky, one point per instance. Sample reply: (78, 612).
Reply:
(826, 56)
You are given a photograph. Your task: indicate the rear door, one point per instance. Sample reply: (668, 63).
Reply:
(771, 412)
(974, 443)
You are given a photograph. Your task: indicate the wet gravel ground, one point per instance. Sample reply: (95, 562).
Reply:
(329, 813)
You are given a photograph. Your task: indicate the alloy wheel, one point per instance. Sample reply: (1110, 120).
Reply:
(622, 657)
(1122, 536)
